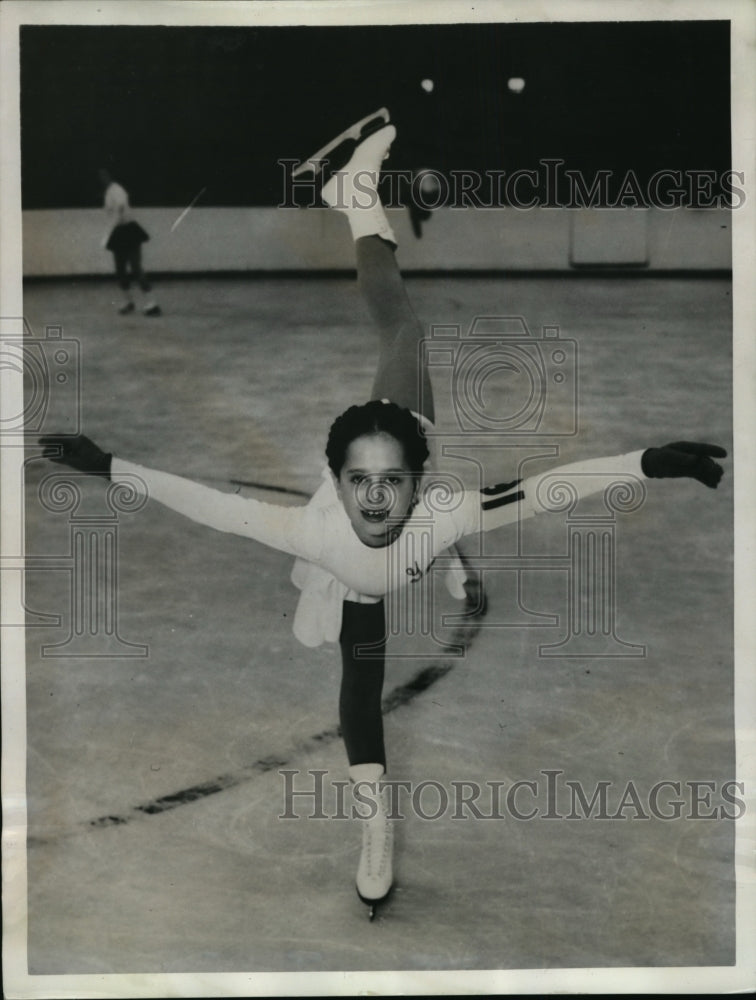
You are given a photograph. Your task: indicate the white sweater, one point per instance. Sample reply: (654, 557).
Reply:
(333, 565)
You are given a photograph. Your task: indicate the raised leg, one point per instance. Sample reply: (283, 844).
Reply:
(401, 375)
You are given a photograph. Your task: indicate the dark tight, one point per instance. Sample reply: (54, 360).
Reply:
(128, 265)
(363, 625)
(402, 378)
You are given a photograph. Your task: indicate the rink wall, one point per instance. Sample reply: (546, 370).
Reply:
(68, 242)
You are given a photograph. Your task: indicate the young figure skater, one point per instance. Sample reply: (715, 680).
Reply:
(366, 531)
(124, 239)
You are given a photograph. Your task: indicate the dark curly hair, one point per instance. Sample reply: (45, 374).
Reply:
(372, 418)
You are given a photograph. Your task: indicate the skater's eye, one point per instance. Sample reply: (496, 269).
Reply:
(394, 480)
(356, 479)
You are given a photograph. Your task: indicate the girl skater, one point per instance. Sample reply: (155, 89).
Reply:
(124, 239)
(366, 531)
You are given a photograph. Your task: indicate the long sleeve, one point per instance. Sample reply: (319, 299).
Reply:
(285, 528)
(556, 489)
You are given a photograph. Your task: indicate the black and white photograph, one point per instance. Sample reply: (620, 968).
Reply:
(377, 488)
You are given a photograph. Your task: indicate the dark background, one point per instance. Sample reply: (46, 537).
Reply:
(173, 110)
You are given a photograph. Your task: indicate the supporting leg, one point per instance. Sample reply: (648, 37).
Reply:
(362, 683)
(362, 731)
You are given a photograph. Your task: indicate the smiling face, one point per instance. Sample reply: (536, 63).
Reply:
(376, 487)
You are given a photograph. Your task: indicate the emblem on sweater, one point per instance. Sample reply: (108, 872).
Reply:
(415, 573)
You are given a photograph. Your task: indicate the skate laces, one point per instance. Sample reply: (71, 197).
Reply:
(377, 842)
(371, 153)
(377, 839)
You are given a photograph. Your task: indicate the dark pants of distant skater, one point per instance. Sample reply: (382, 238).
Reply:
(125, 243)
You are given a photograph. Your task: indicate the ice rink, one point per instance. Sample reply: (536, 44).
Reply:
(155, 785)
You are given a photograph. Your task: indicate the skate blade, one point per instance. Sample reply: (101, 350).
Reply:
(360, 130)
(373, 904)
(372, 908)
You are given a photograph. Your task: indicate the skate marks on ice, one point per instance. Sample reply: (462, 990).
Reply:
(399, 696)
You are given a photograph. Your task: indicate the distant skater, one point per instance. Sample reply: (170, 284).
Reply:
(373, 528)
(124, 239)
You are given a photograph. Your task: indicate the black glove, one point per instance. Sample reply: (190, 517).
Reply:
(78, 452)
(684, 458)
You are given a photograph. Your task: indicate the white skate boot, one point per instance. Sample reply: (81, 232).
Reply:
(375, 871)
(329, 154)
(354, 189)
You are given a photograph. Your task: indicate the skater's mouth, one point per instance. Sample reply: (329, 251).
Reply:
(374, 516)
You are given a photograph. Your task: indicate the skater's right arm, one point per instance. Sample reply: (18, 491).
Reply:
(281, 528)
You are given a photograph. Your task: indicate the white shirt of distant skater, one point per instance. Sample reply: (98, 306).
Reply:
(117, 208)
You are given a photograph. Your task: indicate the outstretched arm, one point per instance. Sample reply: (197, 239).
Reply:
(279, 527)
(684, 458)
(512, 502)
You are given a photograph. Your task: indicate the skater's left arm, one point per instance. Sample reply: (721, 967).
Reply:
(549, 491)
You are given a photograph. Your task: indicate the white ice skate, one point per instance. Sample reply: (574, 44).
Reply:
(347, 139)
(375, 873)
(353, 190)
(355, 184)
